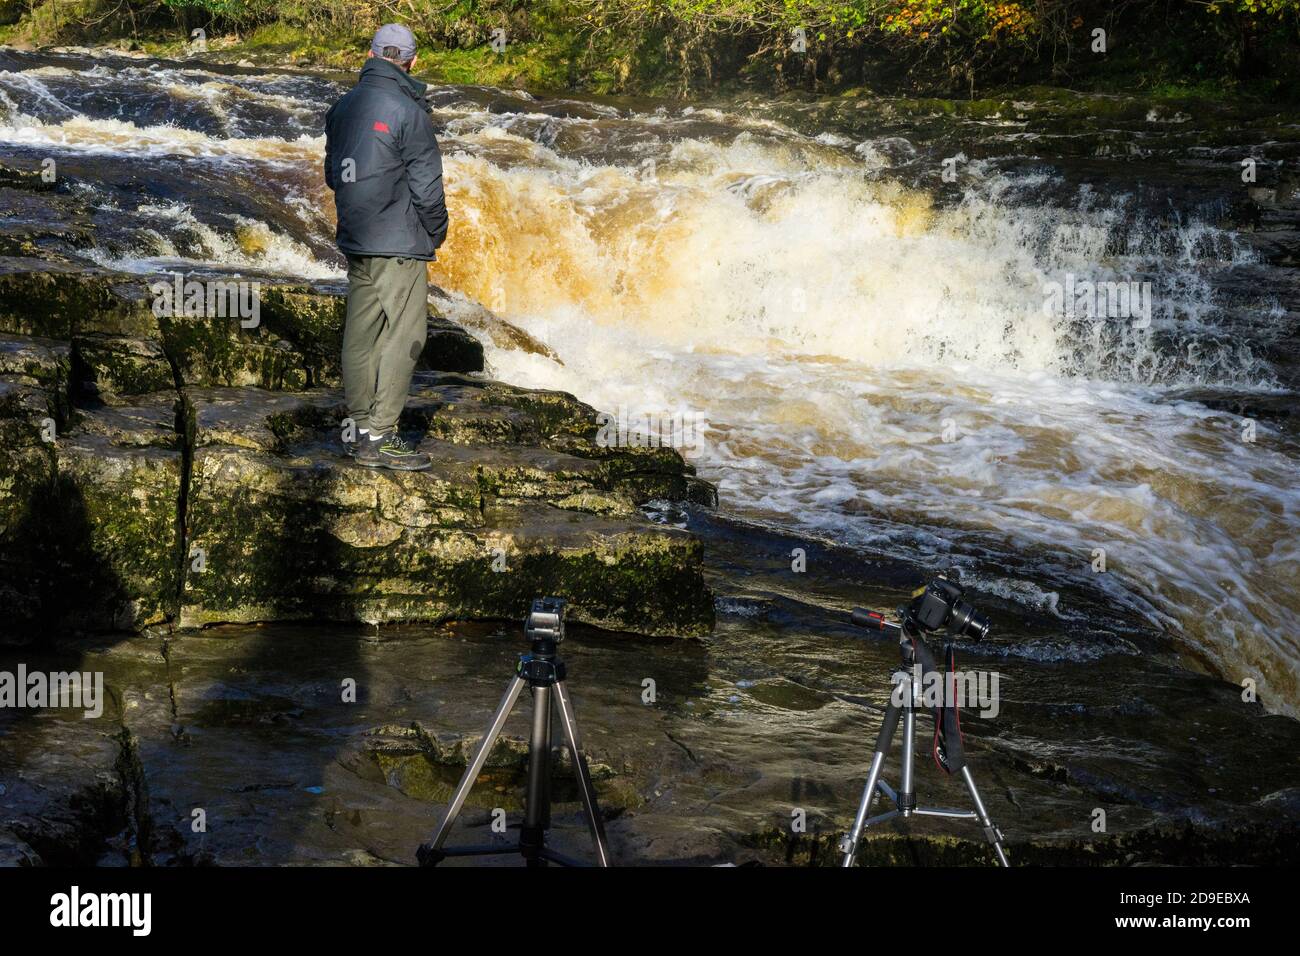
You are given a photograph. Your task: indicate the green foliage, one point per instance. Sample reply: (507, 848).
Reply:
(676, 45)
(230, 9)
(1255, 8)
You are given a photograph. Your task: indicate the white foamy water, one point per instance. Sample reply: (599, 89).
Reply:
(252, 245)
(882, 373)
(873, 369)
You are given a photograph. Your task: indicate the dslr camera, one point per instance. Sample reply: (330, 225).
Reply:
(939, 606)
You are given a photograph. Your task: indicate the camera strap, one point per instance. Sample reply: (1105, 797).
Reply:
(949, 755)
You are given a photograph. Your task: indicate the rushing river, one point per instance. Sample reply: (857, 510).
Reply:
(860, 346)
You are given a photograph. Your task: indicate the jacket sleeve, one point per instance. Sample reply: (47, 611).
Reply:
(329, 151)
(423, 162)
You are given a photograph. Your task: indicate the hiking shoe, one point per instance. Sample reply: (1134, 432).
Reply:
(391, 452)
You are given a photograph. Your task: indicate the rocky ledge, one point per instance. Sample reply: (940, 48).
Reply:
(188, 471)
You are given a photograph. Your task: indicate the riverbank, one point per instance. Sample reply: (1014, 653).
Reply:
(1224, 50)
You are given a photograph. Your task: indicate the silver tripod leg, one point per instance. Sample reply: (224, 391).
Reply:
(580, 769)
(884, 740)
(476, 762)
(992, 833)
(864, 808)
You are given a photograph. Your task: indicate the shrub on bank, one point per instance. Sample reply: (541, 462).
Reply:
(678, 46)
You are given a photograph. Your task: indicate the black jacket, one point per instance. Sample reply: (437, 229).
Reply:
(382, 161)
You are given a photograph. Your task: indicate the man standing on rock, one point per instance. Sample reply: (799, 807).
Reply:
(383, 163)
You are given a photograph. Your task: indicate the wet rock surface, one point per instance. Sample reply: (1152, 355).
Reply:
(340, 745)
(1184, 770)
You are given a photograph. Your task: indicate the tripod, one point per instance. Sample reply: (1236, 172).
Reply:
(903, 702)
(543, 671)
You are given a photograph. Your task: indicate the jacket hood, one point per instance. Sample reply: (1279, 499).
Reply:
(377, 68)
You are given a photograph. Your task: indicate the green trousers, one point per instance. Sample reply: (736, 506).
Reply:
(387, 324)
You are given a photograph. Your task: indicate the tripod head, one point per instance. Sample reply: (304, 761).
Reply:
(544, 628)
(544, 625)
(935, 606)
(906, 631)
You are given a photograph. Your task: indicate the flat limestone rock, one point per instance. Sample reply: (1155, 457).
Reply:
(114, 368)
(286, 538)
(124, 347)
(58, 300)
(44, 361)
(290, 528)
(148, 422)
(26, 409)
(190, 471)
(261, 419)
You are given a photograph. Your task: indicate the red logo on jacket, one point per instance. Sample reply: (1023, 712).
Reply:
(381, 127)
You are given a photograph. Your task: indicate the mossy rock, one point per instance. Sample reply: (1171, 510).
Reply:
(449, 348)
(28, 413)
(207, 352)
(46, 362)
(151, 421)
(27, 475)
(111, 368)
(264, 420)
(201, 478)
(26, 481)
(124, 349)
(313, 320)
(117, 531)
(308, 536)
(463, 412)
(298, 538)
(57, 301)
(88, 521)
(92, 539)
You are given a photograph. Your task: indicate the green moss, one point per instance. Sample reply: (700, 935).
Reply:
(285, 541)
(116, 367)
(219, 352)
(44, 303)
(110, 524)
(542, 66)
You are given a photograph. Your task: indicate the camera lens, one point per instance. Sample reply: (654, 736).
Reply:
(968, 622)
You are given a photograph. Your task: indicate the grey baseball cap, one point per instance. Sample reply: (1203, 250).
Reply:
(394, 34)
